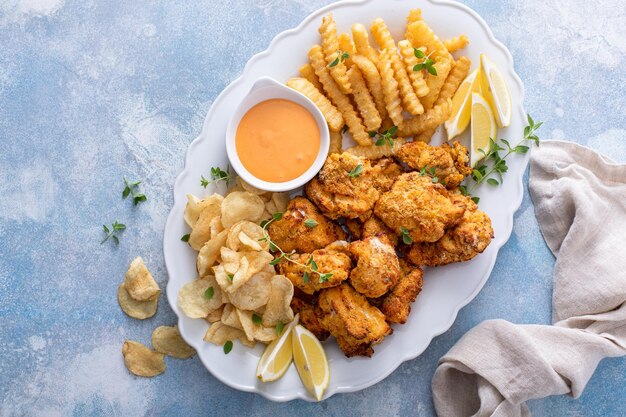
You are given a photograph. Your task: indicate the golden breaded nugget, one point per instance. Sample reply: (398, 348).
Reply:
(372, 77)
(346, 45)
(342, 102)
(429, 120)
(385, 41)
(435, 82)
(410, 61)
(362, 43)
(307, 72)
(454, 44)
(330, 46)
(331, 114)
(336, 139)
(390, 89)
(420, 34)
(376, 152)
(363, 100)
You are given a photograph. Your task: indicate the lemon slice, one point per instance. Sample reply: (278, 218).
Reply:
(462, 104)
(483, 128)
(277, 356)
(495, 91)
(311, 362)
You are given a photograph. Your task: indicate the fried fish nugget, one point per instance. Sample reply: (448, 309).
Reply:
(308, 73)
(346, 45)
(351, 118)
(363, 100)
(372, 78)
(429, 120)
(390, 89)
(331, 114)
(410, 61)
(420, 34)
(336, 140)
(456, 43)
(362, 43)
(376, 152)
(436, 82)
(330, 46)
(385, 41)
(396, 305)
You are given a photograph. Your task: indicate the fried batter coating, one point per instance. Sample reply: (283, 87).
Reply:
(375, 227)
(460, 243)
(338, 194)
(451, 163)
(310, 315)
(419, 205)
(355, 324)
(386, 171)
(396, 305)
(291, 233)
(377, 268)
(327, 261)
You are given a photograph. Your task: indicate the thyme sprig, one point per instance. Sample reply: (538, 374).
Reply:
(217, 175)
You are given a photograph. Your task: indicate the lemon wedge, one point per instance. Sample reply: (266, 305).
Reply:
(311, 361)
(495, 91)
(483, 128)
(277, 356)
(462, 104)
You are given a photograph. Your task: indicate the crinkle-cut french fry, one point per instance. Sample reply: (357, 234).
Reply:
(336, 139)
(425, 136)
(372, 77)
(330, 46)
(385, 41)
(455, 78)
(351, 118)
(307, 72)
(410, 60)
(346, 45)
(362, 43)
(333, 116)
(413, 16)
(456, 43)
(390, 89)
(420, 34)
(363, 100)
(429, 120)
(377, 152)
(435, 82)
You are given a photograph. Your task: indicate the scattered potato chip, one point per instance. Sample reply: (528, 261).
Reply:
(252, 230)
(215, 315)
(219, 333)
(278, 202)
(230, 317)
(195, 206)
(197, 300)
(256, 331)
(216, 226)
(201, 231)
(210, 252)
(254, 293)
(139, 282)
(278, 306)
(230, 259)
(238, 206)
(136, 309)
(250, 188)
(141, 360)
(167, 340)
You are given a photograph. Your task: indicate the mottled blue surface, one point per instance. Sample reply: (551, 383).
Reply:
(94, 90)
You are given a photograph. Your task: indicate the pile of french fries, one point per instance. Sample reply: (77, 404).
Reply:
(370, 90)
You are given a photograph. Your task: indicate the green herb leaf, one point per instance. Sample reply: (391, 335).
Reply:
(418, 53)
(463, 189)
(521, 149)
(139, 198)
(230, 277)
(308, 262)
(203, 181)
(126, 192)
(492, 181)
(380, 142)
(372, 134)
(310, 223)
(356, 172)
(256, 319)
(305, 277)
(228, 346)
(277, 216)
(475, 199)
(325, 277)
(313, 265)
(418, 67)
(185, 238)
(334, 63)
(208, 294)
(392, 130)
(106, 229)
(431, 70)
(277, 260)
(263, 224)
(405, 236)
(279, 327)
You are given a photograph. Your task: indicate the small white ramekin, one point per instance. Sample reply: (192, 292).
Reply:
(266, 88)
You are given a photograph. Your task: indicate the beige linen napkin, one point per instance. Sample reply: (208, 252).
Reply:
(580, 204)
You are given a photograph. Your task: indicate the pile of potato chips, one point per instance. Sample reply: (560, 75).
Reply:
(237, 290)
(138, 295)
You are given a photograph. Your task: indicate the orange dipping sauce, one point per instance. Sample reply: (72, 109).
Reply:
(277, 140)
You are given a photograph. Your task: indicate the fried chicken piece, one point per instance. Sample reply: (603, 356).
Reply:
(396, 305)
(355, 324)
(386, 171)
(460, 243)
(377, 268)
(310, 314)
(451, 163)
(328, 262)
(338, 194)
(291, 233)
(375, 227)
(422, 207)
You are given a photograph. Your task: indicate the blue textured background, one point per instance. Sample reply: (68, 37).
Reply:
(94, 90)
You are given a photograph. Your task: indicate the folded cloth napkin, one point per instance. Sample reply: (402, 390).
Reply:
(580, 204)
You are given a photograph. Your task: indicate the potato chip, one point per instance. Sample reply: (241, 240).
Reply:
(219, 333)
(250, 188)
(258, 260)
(252, 230)
(332, 115)
(238, 206)
(216, 226)
(216, 315)
(230, 260)
(201, 231)
(195, 206)
(254, 293)
(139, 283)
(279, 201)
(141, 360)
(230, 317)
(256, 331)
(210, 252)
(196, 300)
(136, 309)
(278, 306)
(167, 340)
